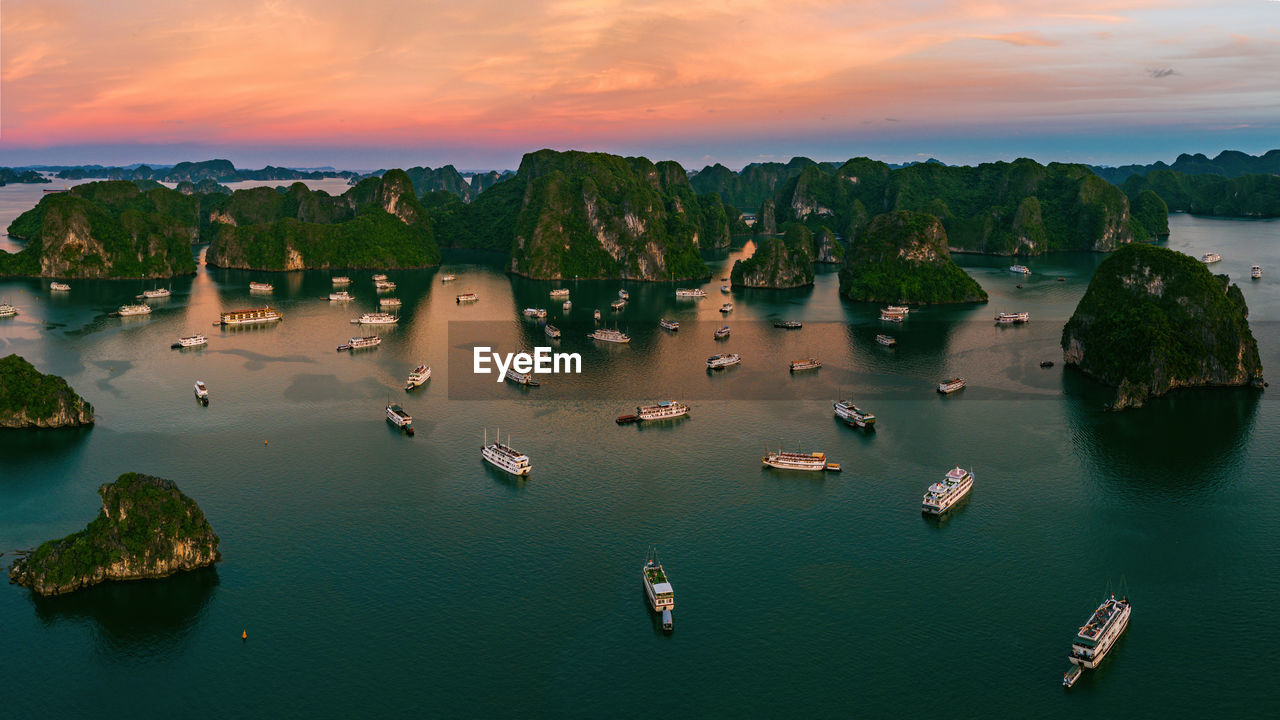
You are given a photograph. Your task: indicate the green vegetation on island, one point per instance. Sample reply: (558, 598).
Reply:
(30, 399)
(1154, 319)
(902, 258)
(778, 262)
(1240, 196)
(147, 528)
(216, 170)
(9, 176)
(753, 184)
(1228, 163)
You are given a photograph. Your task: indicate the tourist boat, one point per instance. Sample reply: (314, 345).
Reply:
(608, 335)
(128, 310)
(664, 410)
(448, 278)
(943, 495)
(805, 364)
(535, 312)
(1005, 318)
(340, 296)
(624, 295)
(950, 385)
(1096, 637)
(559, 292)
(722, 333)
(1212, 257)
(503, 457)
(724, 288)
(617, 305)
(249, 317)
(467, 297)
(379, 277)
(63, 287)
(657, 587)
(627, 418)
(716, 362)
(552, 331)
(1020, 269)
(361, 343)
(890, 316)
(789, 324)
(420, 374)
(202, 392)
(597, 314)
(397, 416)
(1046, 363)
(190, 341)
(886, 340)
(567, 306)
(691, 293)
(668, 324)
(156, 293)
(7, 310)
(261, 287)
(1070, 677)
(1255, 272)
(342, 280)
(726, 308)
(384, 286)
(795, 460)
(853, 415)
(898, 309)
(525, 379)
(389, 302)
(376, 318)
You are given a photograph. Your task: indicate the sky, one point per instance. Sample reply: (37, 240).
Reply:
(477, 83)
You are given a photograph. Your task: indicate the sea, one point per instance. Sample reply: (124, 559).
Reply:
(374, 574)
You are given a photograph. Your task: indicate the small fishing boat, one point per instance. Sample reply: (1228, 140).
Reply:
(1046, 363)
(597, 314)
(724, 288)
(833, 467)
(789, 324)
(552, 331)
(567, 306)
(726, 308)
(261, 287)
(63, 287)
(202, 392)
(669, 324)
(722, 333)
(467, 297)
(626, 419)
(624, 295)
(886, 340)
(420, 374)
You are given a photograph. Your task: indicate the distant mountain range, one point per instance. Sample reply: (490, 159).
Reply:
(1228, 163)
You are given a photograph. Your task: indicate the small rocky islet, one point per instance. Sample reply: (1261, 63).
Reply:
(31, 399)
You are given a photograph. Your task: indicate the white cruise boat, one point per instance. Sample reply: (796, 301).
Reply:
(617, 305)
(691, 293)
(943, 495)
(397, 416)
(657, 587)
(379, 277)
(420, 374)
(342, 280)
(716, 362)
(1255, 272)
(559, 292)
(795, 460)
(1020, 269)
(59, 287)
(788, 324)
(376, 318)
(202, 392)
(899, 309)
(664, 410)
(1013, 318)
(250, 317)
(128, 310)
(805, 364)
(448, 278)
(853, 415)
(504, 457)
(951, 385)
(156, 293)
(726, 308)
(608, 335)
(890, 316)
(668, 324)
(1208, 258)
(261, 287)
(552, 331)
(535, 312)
(384, 286)
(525, 379)
(567, 306)
(721, 334)
(389, 302)
(340, 296)
(7, 310)
(1096, 638)
(886, 340)
(191, 341)
(467, 297)
(624, 295)
(361, 343)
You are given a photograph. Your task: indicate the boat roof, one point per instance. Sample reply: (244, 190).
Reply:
(662, 587)
(956, 473)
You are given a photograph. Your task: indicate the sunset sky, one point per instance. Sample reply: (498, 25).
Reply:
(476, 83)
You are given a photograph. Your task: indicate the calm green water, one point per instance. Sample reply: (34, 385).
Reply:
(379, 575)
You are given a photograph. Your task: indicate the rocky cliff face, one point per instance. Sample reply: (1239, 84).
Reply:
(147, 529)
(1154, 320)
(827, 249)
(777, 263)
(903, 258)
(29, 399)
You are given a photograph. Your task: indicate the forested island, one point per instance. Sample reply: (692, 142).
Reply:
(778, 262)
(902, 258)
(1153, 320)
(31, 399)
(147, 528)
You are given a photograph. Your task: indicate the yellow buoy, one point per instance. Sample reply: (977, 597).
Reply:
(264, 442)
(244, 634)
